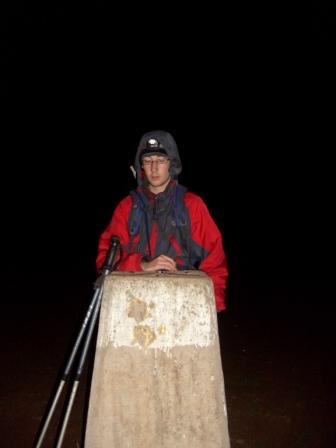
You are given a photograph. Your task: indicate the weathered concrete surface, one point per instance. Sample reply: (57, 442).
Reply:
(157, 379)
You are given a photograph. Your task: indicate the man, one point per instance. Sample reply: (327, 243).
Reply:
(161, 225)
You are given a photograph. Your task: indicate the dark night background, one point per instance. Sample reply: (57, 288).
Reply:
(248, 93)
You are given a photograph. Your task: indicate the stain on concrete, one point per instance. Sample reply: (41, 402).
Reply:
(143, 335)
(162, 329)
(139, 309)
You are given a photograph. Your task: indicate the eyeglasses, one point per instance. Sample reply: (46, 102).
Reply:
(149, 162)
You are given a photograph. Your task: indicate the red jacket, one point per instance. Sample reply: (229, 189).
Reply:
(204, 233)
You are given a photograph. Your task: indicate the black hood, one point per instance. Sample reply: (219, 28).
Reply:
(167, 142)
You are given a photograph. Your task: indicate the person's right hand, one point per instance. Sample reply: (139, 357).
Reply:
(162, 262)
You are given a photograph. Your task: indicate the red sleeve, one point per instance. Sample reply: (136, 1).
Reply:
(206, 234)
(118, 226)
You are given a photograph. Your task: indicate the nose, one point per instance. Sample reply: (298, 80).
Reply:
(154, 165)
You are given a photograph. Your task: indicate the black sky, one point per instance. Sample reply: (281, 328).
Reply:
(246, 93)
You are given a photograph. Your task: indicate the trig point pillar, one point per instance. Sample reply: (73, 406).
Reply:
(157, 379)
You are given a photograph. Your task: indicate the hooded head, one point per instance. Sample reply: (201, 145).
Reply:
(158, 143)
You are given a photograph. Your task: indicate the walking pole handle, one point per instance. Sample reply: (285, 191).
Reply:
(111, 254)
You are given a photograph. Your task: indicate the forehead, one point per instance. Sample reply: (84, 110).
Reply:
(154, 157)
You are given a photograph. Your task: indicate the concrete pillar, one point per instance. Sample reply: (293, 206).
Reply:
(157, 379)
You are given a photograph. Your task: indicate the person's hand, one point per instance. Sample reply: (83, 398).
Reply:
(162, 262)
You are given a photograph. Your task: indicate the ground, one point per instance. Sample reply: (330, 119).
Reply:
(277, 356)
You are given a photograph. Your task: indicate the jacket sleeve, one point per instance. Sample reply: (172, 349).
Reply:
(118, 226)
(206, 235)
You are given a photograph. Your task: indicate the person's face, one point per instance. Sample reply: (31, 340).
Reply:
(156, 169)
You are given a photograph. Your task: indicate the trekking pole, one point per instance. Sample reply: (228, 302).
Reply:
(93, 308)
